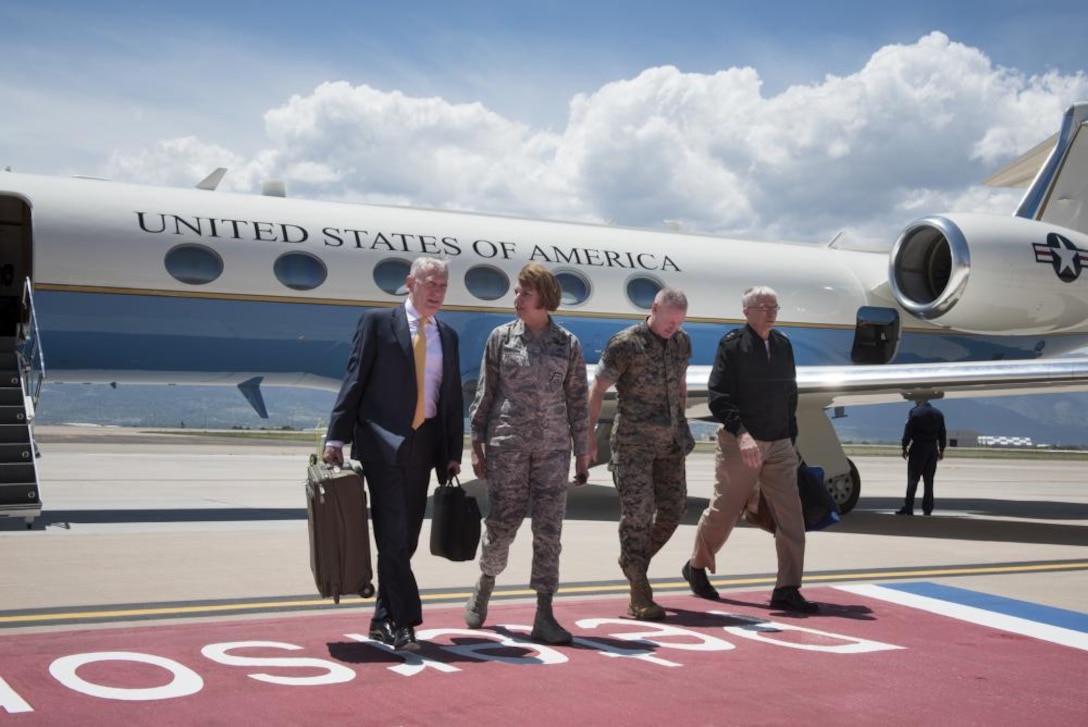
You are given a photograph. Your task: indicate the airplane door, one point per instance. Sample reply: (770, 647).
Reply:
(876, 335)
(14, 260)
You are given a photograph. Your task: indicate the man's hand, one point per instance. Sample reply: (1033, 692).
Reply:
(333, 456)
(749, 451)
(454, 469)
(591, 455)
(581, 470)
(904, 454)
(479, 464)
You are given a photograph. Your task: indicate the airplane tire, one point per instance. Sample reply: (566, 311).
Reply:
(854, 491)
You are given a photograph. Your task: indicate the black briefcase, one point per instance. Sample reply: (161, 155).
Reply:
(455, 523)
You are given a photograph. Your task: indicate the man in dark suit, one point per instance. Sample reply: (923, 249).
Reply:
(400, 436)
(924, 441)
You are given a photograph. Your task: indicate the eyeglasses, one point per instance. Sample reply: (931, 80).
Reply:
(766, 308)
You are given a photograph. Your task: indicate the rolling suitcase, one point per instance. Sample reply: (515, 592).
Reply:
(339, 531)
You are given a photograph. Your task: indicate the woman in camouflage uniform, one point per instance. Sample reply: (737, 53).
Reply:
(530, 410)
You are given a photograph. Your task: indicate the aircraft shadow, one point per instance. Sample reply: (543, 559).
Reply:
(67, 518)
(992, 507)
(873, 516)
(948, 521)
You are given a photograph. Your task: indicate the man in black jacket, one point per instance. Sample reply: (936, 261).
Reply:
(400, 406)
(753, 393)
(924, 440)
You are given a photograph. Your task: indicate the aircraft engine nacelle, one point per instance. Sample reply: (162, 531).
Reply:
(987, 274)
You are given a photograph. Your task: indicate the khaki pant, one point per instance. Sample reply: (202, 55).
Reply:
(734, 484)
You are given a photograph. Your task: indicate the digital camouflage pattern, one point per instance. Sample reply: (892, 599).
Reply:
(532, 395)
(531, 409)
(516, 482)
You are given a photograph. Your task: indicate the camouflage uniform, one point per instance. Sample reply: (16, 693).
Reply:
(650, 438)
(531, 405)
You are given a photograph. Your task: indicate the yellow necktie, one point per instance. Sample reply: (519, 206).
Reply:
(419, 352)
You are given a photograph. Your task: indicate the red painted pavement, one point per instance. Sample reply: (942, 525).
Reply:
(858, 662)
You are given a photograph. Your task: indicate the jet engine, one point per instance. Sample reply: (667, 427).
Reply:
(986, 274)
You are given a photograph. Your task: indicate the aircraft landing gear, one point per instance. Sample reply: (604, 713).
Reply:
(846, 490)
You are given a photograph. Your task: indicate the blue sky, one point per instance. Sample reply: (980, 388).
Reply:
(767, 120)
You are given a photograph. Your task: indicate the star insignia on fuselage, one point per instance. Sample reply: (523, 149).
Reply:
(1066, 258)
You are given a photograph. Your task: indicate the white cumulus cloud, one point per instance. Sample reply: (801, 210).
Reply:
(913, 131)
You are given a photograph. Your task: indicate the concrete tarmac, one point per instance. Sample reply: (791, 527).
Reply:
(144, 519)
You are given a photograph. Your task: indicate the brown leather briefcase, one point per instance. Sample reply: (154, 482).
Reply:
(339, 531)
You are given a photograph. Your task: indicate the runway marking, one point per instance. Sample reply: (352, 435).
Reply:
(875, 657)
(67, 616)
(954, 603)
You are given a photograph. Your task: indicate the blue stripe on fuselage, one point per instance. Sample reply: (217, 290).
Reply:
(88, 331)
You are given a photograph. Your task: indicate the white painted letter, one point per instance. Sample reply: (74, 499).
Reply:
(606, 649)
(10, 701)
(539, 655)
(185, 681)
(698, 641)
(761, 630)
(413, 663)
(334, 673)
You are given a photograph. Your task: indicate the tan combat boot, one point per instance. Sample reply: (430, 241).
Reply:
(476, 608)
(642, 604)
(546, 630)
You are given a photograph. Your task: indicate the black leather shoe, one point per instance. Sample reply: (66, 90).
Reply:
(405, 639)
(700, 584)
(904, 511)
(790, 599)
(383, 631)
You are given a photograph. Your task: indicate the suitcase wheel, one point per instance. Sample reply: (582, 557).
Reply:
(368, 591)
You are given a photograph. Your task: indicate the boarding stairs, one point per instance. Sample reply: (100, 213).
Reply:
(22, 370)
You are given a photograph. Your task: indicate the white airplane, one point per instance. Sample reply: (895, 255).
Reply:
(123, 283)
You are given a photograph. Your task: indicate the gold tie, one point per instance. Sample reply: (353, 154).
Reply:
(419, 352)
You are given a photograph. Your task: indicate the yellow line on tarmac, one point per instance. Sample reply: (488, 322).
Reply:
(590, 589)
(161, 611)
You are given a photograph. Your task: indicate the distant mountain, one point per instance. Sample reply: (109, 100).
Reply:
(1055, 419)
(201, 407)
(1059, 419)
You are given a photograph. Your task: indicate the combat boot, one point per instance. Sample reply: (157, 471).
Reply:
(546, 630)
(476, 608)
(642, 604)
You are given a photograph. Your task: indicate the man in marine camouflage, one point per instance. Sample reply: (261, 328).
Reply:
(647, 363)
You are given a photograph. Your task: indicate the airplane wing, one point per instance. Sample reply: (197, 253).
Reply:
(842, 385)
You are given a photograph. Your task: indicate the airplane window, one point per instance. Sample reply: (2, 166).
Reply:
(486, 282)
(575, 287)
(642, 289)
(193, 264)
(300, 270)
(390, 275)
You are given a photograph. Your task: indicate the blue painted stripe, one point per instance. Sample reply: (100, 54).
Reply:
(1072, 620)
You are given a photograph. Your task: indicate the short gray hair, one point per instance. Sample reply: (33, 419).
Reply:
(421, 266)
(756, 292)
(671, 298)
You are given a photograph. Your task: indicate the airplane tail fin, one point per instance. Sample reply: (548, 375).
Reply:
(1058, 194)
